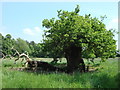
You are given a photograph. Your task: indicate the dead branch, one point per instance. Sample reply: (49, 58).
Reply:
(16, 51)
(3, 56)
(54, 61)
(25, 56)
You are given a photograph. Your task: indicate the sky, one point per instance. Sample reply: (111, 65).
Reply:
(24, 19)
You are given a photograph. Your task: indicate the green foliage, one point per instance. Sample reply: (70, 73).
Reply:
(82, 31)
(7, 43)
(34, 49)
(22, 46)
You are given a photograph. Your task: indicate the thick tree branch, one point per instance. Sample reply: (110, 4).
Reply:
(26, 57)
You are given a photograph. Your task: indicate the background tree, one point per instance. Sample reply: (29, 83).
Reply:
(7, 43)
(36, 49)
(31, 46)
(22, 46)
(1, 42)
(72, 34)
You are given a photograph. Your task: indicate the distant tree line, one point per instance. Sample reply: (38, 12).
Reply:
(33, 49)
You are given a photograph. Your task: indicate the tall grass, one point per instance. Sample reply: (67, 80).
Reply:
(0, 74)
(105, 77)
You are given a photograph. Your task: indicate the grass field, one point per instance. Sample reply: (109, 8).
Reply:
(106, 76)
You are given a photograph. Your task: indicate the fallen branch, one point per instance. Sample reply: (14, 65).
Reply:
(54, 61)
(3, 56)
(41, 65)
(26, 57)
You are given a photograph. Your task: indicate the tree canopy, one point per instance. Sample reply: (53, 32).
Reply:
(77, 35)
(82, 31)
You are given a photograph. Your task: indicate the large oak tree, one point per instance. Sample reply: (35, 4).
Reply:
(73, 35)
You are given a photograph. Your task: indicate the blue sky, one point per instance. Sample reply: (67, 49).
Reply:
(24, 19)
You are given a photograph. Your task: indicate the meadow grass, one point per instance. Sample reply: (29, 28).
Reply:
(0, 74)
(105, 77)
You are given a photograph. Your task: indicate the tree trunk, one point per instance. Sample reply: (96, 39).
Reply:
(74, 59)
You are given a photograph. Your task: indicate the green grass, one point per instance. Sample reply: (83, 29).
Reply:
(105, 77)
(0, 74)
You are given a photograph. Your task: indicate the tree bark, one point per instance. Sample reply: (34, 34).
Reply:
(74, 59)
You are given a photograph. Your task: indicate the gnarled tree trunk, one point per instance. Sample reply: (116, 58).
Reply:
(74, 59)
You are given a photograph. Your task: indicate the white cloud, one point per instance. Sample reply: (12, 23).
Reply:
(115, 20)
(113, 24)
(32, 32)
(37, 29)
(28, 31)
